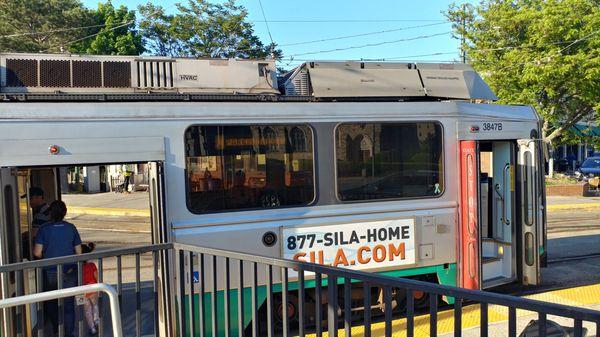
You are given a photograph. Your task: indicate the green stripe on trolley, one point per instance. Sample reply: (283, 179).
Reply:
(446, 275)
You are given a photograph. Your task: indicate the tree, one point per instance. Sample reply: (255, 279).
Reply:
(115, 34)
(39, 25)
(203, 29)
(158, 32)
(544, 53)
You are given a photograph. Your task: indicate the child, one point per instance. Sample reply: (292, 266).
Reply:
(90, 304)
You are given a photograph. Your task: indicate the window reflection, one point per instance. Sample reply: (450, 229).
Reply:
(388, 160)
(245, 167)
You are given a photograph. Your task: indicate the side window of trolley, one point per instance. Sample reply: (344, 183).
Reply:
(237, 167)
(389, 160)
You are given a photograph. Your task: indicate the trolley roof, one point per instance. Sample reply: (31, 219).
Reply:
(285, 111)
(65, 77)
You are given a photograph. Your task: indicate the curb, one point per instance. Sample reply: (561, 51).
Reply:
(79, 210)
(579, 206)
(146, 213)
(108, 211)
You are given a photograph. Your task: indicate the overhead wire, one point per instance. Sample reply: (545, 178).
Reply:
(411, 57)
(95, 34)
(361, 34)
(266, 22)
(51, 31)
(351, 20)
(370, 44)
(559, 53)
(477, 50)
(588, 37)
(335, 38)
(126, 23)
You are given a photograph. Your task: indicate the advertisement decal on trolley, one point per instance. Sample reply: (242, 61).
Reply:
(365, 245)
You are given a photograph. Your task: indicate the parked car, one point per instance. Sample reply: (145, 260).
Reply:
(589, 168)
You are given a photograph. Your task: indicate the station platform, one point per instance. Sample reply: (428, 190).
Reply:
(584, 296)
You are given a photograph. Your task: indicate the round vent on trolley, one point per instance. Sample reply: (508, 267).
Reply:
(269, 239)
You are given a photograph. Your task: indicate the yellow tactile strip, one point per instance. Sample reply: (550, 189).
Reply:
(579, 296)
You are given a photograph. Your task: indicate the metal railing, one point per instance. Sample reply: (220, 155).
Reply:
(70, 292)
(216, 270)
(120, 267)
(224, 293)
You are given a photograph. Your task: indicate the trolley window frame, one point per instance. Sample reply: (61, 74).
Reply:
(443, 160)
(314, 152)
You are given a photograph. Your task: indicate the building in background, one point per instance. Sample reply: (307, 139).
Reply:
(103, 178)
(571, 150)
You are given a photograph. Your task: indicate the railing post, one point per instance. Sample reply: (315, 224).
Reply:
(254, 297)
(457, 317)
(241, 325)
(284, 302)
(155, 293)
(332, 314)
(181, 292)
(80, 329)
(301, 300)
(410, 313)
(227, 301)
(542, 325)
(101, 299)
(192, 312)
(433, 309)
(387, 300)
(484, 319)
(318, 305)
(367, 308)
(578, 328)
(270, 330)
(213, 302)
(138, 297)
(512, 322)
(347, 307)
(61, 306)
(40, 306)
(202, 290)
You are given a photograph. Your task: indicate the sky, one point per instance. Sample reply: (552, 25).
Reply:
(393, 29)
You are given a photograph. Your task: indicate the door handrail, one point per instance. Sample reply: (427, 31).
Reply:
(115, 312)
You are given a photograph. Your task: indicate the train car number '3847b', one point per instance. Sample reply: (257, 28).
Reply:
(358, 246)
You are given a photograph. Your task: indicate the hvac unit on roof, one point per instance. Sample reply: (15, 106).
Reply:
(51, 73)
(354, 79)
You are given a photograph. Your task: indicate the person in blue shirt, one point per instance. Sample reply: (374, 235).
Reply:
(58, 238)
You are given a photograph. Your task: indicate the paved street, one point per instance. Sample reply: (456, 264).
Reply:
(135, 200)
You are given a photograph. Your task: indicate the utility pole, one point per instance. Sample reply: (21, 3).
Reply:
(462, 34)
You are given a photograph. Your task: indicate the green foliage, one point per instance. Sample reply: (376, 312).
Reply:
(54, 26)
(198, 29)
(158, 32)
(203, 29)
(544, 53)
(33, 24)
(115, 36)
